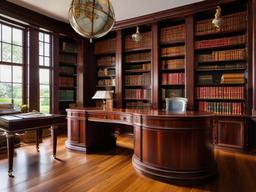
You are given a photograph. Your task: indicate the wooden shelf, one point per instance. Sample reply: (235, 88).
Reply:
(136, 71)
(173, 57)
(106, 66)
(139, 86)
(220, 85)
(138, 61)
(67, 64)
(143, 49)
(212, 35)
(138, 99)
(173, 85)
(233, 69)
(224, 47)
(106, 76)
(223, 61)
(106, 53)
(106, 86)
(173, 42)
(172, 70)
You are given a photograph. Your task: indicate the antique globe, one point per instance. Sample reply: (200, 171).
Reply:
(91, 18)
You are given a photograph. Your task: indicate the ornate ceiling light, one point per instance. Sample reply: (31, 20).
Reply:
(217, 18)
(136, 36)
(91, 18)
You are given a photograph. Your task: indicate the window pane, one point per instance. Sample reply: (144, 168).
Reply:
(47, 38)
(41, 37)
(17, 90)
(17, 36)
(17, 101)
(41, 60)
(46, 49)
(5, 73)
(44, 76)
(44, 91)
(7, 34)
(17, 74)
(6, 51)
(47, 61)
(41, 48)
(5, 92)
(16, 54)
(44, 105)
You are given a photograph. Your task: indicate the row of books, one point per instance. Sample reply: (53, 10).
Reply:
(232, 22)
(137, 94)
(173, 64)
(66, 95)
(143, 79)
(106, 61)
(69, 47)
(139, 67)
(67, 58)
(236, 40)
(173, 79)
(66, 82)
(138, 105)
(138, 57)
(107, 82)
(224, 108)
(234, 54)
(172, 33)
(222, 67)
(145, 42)
(232, 78)
(206, 80)
(172, 51)
(102, 72)
(220, 92)
(67, 70)
(105, 46)
(167, 93)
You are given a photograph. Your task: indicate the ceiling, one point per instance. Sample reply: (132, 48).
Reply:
(124, 9)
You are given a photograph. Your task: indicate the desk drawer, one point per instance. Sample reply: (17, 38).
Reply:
(126, 118)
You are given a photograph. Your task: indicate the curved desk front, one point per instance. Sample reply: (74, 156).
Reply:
(174, 148)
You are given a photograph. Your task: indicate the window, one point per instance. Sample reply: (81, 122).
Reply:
(11, 64)
(45, 68)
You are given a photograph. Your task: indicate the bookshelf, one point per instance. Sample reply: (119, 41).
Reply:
(67, 73)
(172, 60)
(105, 53)
(137, 71)
(221, 71)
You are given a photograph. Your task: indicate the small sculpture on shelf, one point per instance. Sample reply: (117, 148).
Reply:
(217, 19)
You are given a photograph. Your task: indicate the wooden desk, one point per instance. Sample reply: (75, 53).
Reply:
(12, 124)
(170, 147)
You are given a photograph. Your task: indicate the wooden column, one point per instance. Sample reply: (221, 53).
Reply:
(252, 40)
(33, 70)
(25, 70)
(155, 68)
(189, 62)
(80, 73)
(119, 80)
(55, 74)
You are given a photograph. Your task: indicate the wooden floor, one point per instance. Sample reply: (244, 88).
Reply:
(110, 171)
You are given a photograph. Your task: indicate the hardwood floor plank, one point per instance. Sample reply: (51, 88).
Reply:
(110, 171)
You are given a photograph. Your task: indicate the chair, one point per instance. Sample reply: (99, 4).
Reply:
(176, 104)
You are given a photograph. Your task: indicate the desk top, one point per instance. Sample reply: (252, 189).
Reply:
(25, 121)
(158, 113)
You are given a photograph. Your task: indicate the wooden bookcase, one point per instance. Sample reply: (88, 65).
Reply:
(105, 54)
(221, 70)
(137, 67)
(67, 73)
(182, 54)
(172, 60)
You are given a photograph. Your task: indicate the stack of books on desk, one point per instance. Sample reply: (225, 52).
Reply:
(232, 78)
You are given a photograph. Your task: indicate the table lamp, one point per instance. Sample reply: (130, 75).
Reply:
(106, 96)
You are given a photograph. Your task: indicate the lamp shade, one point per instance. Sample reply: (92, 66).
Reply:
(102, 95)
(91, 18)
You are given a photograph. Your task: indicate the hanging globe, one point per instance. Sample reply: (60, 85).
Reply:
(91, 18)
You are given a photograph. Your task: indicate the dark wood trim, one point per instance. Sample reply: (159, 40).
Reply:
(189, 62)
(80, 73)
(174, 13)
(55, 74)
(119, 69)
(252, 17)
(155, 67)
(25, 68)
(33, 70)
